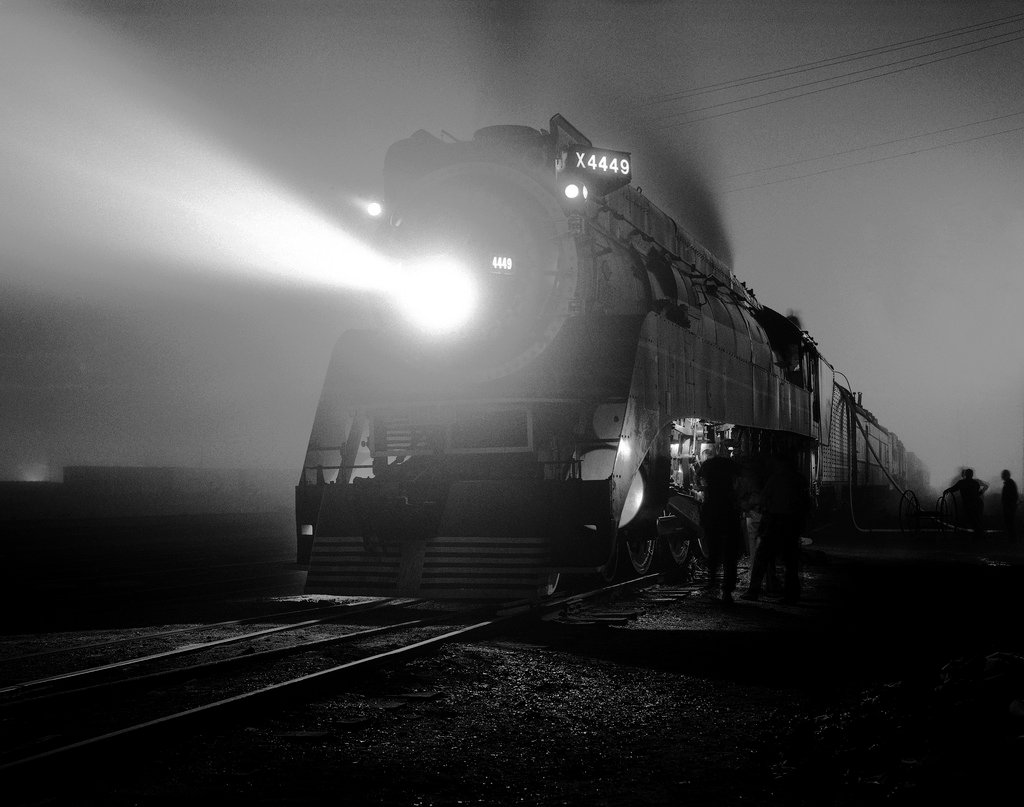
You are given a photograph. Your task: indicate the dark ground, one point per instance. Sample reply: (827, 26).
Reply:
(881, 687)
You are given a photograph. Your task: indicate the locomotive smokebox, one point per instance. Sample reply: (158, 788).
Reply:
(507, 238)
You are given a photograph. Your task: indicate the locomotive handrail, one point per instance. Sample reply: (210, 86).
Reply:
(575, 467)
(320, 472)
(333, 467)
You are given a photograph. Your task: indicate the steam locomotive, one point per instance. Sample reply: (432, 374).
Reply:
(558, 355)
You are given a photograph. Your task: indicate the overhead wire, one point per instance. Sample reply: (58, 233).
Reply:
(876, 160)
(830, 62)
(873, 145)
(1017, 36)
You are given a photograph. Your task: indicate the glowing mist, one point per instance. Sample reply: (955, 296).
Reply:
(101, 173)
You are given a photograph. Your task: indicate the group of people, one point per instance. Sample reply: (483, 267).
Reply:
(784, 503)
(971, 490)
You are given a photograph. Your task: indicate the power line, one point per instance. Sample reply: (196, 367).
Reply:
(825, 89)
(873, 145)
(1019, 32)
(829, 62)
(876, 160)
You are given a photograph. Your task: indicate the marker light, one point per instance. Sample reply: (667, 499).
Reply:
(437, 295)
(374, 209)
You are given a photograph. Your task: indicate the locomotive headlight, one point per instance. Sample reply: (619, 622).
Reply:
(374, 209)
(576, 190)
(438, 295)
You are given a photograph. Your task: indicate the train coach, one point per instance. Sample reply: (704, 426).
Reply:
(538, 392)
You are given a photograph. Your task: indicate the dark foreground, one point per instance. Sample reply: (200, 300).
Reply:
(881, 686)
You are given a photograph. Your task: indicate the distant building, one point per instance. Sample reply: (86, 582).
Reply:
(90, 491)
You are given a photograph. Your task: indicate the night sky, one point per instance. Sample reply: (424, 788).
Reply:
(181, 186)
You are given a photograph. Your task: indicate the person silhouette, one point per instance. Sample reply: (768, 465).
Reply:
(720, 517)
(785, 502)
(1010, 498)
(971, 491)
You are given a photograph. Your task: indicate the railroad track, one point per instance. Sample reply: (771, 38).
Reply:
(142, 638)
(83, 715)
(83, 676)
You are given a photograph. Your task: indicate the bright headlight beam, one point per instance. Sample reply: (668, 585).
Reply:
(129, 183)
(437, 295)
(96, 188)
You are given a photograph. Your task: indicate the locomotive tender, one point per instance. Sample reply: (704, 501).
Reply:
(551, 425)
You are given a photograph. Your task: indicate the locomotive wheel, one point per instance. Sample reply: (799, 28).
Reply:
(640, 554)
(549, 588)
(675, 558)
(678, 550)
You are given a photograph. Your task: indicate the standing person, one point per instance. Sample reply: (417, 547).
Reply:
(720, 517)
(970, 490)
(784, 504)
(1010, 497)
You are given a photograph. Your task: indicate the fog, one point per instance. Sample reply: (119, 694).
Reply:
(180, 244)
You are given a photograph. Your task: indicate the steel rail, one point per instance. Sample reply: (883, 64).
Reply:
(177, 674)
(213, 667)
(307, 685)
(173, 632)
(88, 672)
